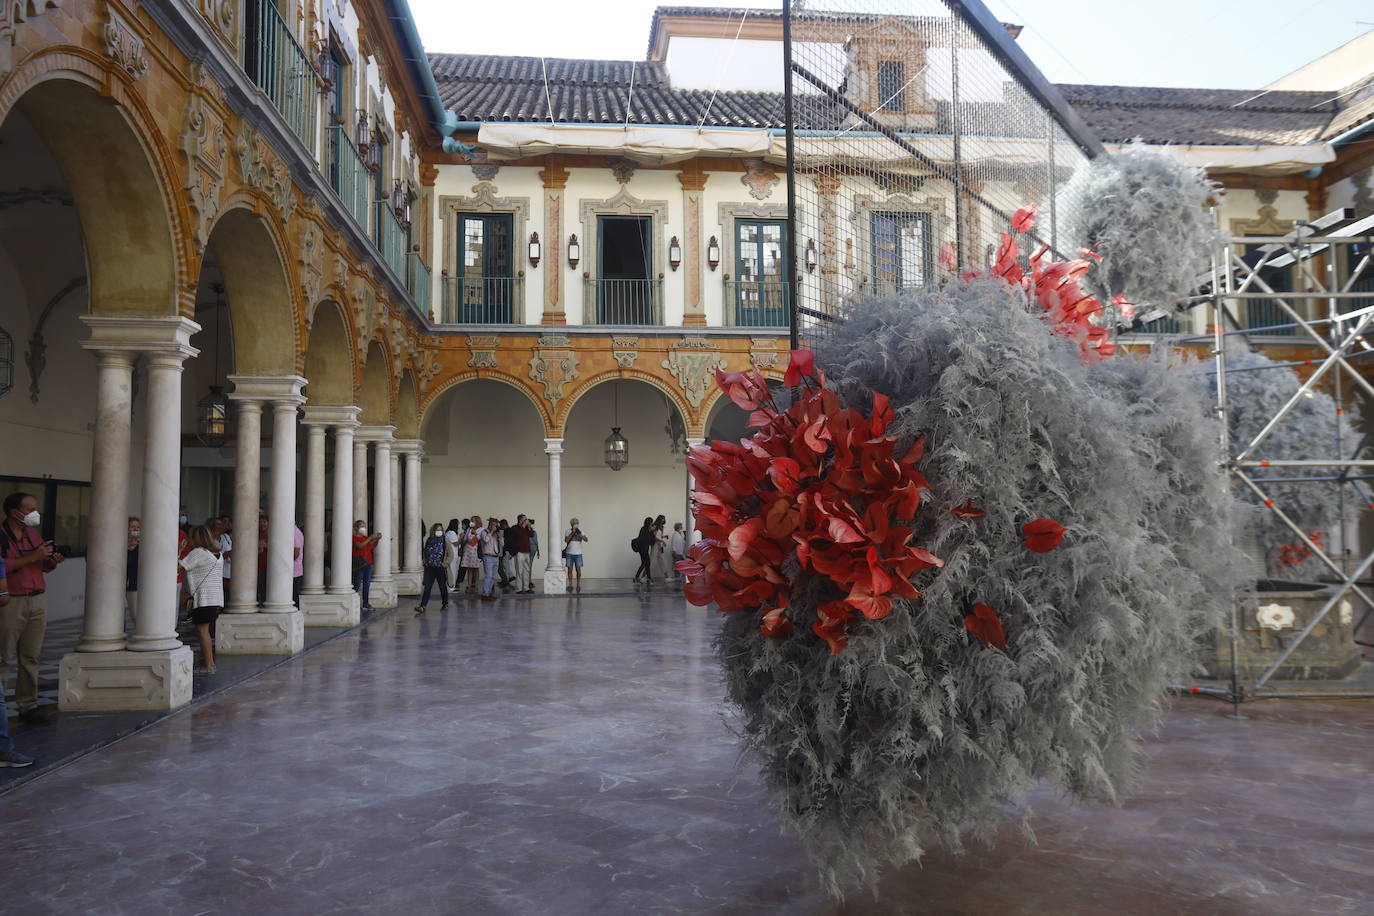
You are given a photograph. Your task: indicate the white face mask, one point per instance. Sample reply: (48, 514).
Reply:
(362, 529)
(32, 519)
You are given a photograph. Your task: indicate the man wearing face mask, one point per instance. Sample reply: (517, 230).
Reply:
(23, 621)
(363, 544)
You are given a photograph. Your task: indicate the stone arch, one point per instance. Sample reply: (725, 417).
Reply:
(407, 406)
(436, 392)
(674, 395)
(715, 395)
(116, 165)
(329, 367)
(262, 307)
(374, 389)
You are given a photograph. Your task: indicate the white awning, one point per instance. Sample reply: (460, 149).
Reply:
(642, 144)
(1266, 160)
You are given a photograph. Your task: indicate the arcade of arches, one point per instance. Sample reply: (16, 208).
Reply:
(131, 300)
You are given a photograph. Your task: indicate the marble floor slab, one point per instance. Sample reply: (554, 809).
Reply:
(567, 756)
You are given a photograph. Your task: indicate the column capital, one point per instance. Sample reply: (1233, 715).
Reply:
(170, 335)
(378, 434)
(553, 446)
(327, 415)
(408, 446)
(267, 388)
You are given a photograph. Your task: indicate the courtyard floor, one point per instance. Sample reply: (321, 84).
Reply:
(570, 755)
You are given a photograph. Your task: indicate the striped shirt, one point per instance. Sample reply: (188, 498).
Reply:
(205, 577)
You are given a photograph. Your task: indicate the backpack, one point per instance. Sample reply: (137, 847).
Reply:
(434, 552)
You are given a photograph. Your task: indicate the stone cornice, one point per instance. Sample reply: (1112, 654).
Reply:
(267, 388)
(385, 434)
(325, 415)
(169, 335)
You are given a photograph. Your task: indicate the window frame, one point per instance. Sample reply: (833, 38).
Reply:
(891, 98)
(45, 490)
(760, 223)
(927, 249)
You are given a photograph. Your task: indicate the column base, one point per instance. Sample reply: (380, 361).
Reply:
(260, 634)
(383, 592)
(331, 610)
(408, 581)
(555, 579)
(105, 681)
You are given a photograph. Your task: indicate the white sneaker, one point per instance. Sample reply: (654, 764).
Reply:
(14, 759)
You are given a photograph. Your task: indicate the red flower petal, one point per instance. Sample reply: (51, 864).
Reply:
(1043, 534)
(801, 365)
(987, 626)
(775, 625)
(968, 510)
(832, 635)
(1022, 220)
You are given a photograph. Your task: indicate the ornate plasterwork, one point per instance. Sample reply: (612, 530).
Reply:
(625, 350)
(482, 359)
(121, 43)
(694, 370)
(555, 340)
(13, 14)
(624, 170)
(205, 149)
(364, 313)
(1268, 222)
(221, 15)
(553, 369)
(261, 169)
(759, 179)
(310, 259)
(766, 353)
(485, 172)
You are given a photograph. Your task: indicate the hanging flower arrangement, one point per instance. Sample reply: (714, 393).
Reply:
(967, 556)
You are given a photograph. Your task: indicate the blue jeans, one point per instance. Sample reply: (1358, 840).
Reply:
(362, 583)
(489, 573)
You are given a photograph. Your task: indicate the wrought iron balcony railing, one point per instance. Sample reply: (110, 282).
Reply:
(418, 282)
(348, 175)
(279, 66)
(756, 304)
(391, 238)
(480, 300)
(623, 302)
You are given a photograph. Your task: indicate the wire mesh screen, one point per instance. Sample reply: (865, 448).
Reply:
(916, 139)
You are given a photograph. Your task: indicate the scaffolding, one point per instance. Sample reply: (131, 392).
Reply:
(1315, 252)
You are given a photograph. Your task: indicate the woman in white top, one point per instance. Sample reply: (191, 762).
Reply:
(205, 580)
(453, 552)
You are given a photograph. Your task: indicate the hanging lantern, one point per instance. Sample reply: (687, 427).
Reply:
(617, 446)
(617, 450)
(212, 418)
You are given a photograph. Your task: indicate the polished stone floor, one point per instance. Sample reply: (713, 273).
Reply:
(567, 756)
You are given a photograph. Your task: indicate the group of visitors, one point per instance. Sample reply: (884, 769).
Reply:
(658, 551)
(503, 553)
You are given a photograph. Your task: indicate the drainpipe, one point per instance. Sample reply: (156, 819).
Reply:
(445, 121)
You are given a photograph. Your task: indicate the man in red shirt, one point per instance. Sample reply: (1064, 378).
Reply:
(25, 619)
(363, 544)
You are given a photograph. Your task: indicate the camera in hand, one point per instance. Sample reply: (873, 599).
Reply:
(64, 549)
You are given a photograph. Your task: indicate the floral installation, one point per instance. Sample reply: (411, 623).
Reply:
(966, 556)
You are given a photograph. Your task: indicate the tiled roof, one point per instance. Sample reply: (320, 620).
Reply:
(1202, 116)
(482, 87)
(485, 88)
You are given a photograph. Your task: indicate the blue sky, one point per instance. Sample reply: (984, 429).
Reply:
(1226, 44)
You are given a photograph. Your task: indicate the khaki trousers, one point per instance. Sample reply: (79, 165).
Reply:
(22, 624)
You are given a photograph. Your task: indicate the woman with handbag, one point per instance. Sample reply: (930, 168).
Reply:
(204, 567)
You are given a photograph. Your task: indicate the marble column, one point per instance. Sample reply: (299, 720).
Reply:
(555, 575)
(340, 605)
(693, 181)
(315, 432)
(106, 555)
(360, 478)
(243, 586)
(394, 524)
(383, 583)
(243, 630)
(154, 670)
(411, 574)
(692, 534)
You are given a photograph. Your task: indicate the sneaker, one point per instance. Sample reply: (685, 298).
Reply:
(203, 671)
(419, 609)
(14, 759)
(35, 716)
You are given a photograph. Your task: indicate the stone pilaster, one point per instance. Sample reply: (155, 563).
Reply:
(693, 181)
(410, 576)
(555, 575)
(555, 179)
